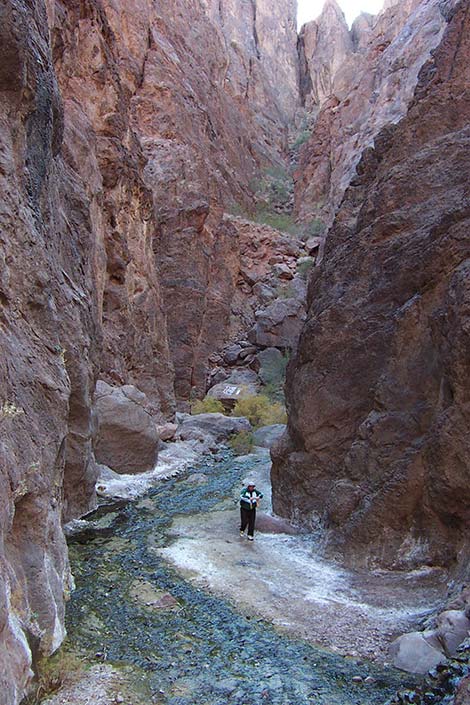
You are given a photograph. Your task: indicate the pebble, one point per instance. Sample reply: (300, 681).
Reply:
(357, 679)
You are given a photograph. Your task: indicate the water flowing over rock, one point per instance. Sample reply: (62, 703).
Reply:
(378, 392)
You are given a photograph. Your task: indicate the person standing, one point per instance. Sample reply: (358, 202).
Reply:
(249, 500)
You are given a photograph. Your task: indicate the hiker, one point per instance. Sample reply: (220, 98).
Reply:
(249, 500)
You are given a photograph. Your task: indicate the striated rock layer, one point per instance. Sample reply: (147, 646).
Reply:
(377, 452)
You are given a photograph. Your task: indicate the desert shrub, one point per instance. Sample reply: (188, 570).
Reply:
(53, 673)
(285, 291)
(260, 410)
(208, 405)
(314, 227)
(242, 443)
(274, 375)
(303, 137)
(305, 266)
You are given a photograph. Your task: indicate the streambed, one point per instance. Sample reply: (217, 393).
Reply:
(184, 644)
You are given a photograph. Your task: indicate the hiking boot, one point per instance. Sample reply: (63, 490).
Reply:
(251, 538)
(242, 534)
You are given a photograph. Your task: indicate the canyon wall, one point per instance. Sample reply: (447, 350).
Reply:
(125, 135)
(353, 85)
(377, 455)
(49, 338)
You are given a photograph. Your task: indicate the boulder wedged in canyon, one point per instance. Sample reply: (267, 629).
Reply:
(354, 89)
(377, 453)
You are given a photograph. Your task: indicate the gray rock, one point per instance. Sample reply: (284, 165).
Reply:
(267, 435)
(126, 439)
(283, 271)
(452, 629)
(231, 353)
(216, 426)
(414, 653)
(167, 431)
(240, 384)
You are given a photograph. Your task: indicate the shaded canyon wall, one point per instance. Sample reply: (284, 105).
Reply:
(377, 455)
(122, 142)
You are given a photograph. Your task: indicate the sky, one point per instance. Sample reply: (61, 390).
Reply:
(310, 9)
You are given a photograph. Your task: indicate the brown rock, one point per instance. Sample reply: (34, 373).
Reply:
(126, 438)
(378, 392)
(359, 82)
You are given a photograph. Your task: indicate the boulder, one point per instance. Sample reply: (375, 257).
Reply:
(452, 629)
(208, 427)
(279, 324)
(126, 439)
(266, 435)
(231, 353)
(167, 431)
(283, 271)
(270, 362)
(414, 653)
(240, 384)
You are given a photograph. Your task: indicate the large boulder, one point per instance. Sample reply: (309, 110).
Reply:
(416, 652)
(126, 439)
(211, 427)
(239, 385)
(279, 324)
(453, 628)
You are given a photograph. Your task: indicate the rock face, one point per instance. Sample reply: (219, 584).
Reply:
(353, 85)
(126, 438)
(377, 445)
(48, 338)
(124, 133)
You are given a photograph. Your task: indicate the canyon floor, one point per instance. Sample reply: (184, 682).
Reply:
(172, 607)
(281, 578)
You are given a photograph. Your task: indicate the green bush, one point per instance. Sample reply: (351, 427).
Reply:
(260, 410)
(314, 227)
(53, 673)
(242, 443)
(208, 405)
(273, 376)
(303, 137)
(304, 267)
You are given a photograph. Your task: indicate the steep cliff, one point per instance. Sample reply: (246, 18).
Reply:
(353, 86)
(49, 336)
(377, 454)
(125, 134)
(170, 110)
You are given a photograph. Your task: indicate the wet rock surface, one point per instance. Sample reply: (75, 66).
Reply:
(202, 649)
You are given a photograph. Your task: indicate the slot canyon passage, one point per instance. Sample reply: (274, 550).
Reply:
(233, 252)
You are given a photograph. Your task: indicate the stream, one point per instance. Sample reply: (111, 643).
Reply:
(183, 644)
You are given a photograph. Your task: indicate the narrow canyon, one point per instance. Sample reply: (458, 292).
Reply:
(230, 250)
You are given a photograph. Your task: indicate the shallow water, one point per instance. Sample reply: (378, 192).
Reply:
(187, 646)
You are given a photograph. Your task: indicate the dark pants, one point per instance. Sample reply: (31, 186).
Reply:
(248, 518)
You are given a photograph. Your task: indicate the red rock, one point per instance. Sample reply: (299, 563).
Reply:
(378, 392)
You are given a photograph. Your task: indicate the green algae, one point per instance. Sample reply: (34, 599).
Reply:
(198, 648)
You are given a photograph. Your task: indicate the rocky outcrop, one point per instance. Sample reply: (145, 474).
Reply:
(377, 446)
(358, 82)
(126, 438)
